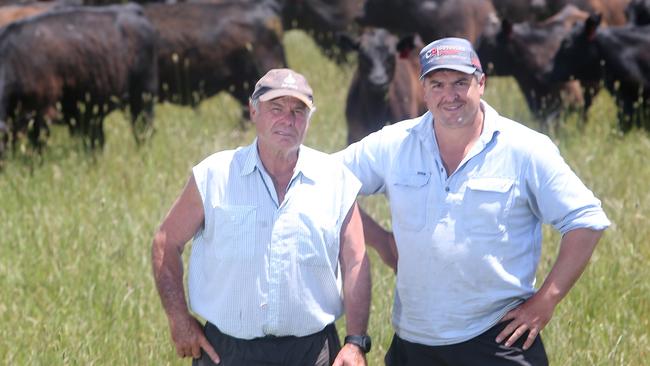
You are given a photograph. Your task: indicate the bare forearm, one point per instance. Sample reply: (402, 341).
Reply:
(576, 249)
(356, 294)
(373, 233)
(380, 239)
(355, 269)
(168, 275)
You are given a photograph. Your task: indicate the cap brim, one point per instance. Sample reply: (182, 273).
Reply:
(277, 93)
(461, 68)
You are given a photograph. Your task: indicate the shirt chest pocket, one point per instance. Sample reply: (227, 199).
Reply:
(408, 199)
(486, 204)
(309, 238)
(234, 232)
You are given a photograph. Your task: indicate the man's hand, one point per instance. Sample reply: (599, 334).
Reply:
(531, 316)
(350, 355)
(576, 248)
(189, 339)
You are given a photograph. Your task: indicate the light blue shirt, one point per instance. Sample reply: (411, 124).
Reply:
(469, 243)
(260, 267)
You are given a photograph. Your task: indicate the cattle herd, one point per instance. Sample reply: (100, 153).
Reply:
(71, 62)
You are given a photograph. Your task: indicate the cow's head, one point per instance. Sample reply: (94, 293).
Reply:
(378, 51)
(495, 50)
(638, 12)
(578, 55)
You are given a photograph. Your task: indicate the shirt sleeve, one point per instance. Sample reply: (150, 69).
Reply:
(556, 194)
(365, 159)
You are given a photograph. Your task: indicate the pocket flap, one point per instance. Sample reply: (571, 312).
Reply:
(488, 184)
(417, 179)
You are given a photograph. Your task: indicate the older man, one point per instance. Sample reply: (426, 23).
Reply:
(468, 191)
(277, 242)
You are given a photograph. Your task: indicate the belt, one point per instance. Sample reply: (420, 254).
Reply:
(269, 336)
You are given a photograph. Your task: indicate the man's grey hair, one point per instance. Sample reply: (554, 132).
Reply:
(255, 103)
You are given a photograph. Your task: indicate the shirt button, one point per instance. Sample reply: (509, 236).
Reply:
(446, 189)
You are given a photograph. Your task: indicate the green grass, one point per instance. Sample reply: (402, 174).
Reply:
(75, 232)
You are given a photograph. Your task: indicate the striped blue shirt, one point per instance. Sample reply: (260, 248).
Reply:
(262, 267)
(469, 243)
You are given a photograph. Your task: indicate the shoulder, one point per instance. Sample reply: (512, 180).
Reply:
(521, 138)
(405, 127)
(218, 158)
(396, 134)
(313, 154)
(321, 163)
(223, 161)
(326, 167)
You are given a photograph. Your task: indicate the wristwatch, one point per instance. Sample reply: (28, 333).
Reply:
(363, 341)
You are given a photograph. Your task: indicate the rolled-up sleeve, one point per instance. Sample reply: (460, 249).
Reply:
(557, 196)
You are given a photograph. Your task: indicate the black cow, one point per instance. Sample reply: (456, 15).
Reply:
(324, 20)
(76, 65)
(518, 11)
(432, 19)
(11, 13)
(638, 12)
(4, 138)
(13, 2)
(613, 11)
(525, 50)
(618, 55)
(205, 48)
(385, 87)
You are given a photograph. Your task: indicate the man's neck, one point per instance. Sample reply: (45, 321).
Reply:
(280, 166)
(455, 144)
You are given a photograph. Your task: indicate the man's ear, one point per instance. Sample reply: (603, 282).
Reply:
(252, 111)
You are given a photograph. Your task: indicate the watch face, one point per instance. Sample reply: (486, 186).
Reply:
(363, 341)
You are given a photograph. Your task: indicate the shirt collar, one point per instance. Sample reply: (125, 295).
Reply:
(491, 126)
(252, 161)
(424, 128)
(305, 165)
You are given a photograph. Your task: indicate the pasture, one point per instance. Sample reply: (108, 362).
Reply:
(76, 229)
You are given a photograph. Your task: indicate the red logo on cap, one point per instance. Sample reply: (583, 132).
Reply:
(444, 51)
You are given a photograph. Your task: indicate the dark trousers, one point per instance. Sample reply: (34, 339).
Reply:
(318, 349)
(481, 350)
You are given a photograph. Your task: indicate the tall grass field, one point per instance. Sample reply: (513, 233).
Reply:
(76, 229)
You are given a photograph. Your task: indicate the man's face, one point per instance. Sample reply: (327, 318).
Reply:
(453, 97)
(281, 123)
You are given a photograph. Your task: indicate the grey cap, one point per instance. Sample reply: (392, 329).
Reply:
(449, 53)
